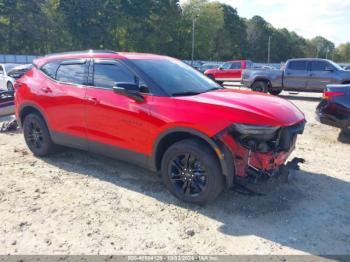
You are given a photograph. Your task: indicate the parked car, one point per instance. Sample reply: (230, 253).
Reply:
(7, 103)
(6, 82)
(229, 72)
(18, 71)
(159, 113)
(307, 75)
(334, 109)
(207, 66)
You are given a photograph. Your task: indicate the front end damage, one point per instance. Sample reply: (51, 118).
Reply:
(259, 152)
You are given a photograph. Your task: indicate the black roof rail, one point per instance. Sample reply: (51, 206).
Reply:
(83, 52)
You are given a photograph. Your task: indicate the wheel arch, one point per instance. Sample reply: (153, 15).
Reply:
(169, 137)
(27, 109)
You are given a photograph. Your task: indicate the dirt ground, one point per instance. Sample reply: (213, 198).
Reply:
(79, 203)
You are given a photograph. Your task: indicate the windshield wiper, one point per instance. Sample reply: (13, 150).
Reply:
(187, 93)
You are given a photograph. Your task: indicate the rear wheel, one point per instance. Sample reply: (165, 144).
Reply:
(37, 136)
(191, 171)
(275, 92)
(259, 86)
(9, 86)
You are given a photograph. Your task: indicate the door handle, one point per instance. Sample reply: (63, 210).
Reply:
(46, 89)
(93, 100)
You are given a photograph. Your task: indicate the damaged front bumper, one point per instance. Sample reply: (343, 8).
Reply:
(254, 158)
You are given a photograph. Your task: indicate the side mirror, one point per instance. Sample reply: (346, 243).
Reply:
(131, 90)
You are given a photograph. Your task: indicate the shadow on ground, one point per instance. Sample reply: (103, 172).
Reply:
(310, 213)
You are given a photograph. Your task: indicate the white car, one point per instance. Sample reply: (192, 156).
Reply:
(6, 82)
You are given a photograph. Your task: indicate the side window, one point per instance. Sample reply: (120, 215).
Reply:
(236, 65)
(106, 75)
(71, 73)
(297, 65)
(50, 68)
(1, 70)
(319, 66)
(226, 66)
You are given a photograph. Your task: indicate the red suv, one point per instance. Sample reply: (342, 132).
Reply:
(230, 71)
(159, 113)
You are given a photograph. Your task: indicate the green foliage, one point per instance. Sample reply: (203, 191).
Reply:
(156, 26)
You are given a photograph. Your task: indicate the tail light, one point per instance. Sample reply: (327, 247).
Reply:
(330, 94)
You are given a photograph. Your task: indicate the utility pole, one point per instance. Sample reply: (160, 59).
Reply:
(269, 50)
(193, 38)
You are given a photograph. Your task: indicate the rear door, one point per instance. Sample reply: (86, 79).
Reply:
(296, 75)
(116, 124)
(62, 95)
(321, 74)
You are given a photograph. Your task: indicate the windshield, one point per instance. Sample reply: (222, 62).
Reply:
(338, 67)
(175, 77)
(8, 67)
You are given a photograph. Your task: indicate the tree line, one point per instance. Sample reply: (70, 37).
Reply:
(154, 26)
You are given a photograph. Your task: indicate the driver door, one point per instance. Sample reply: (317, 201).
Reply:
(116, 124)
(322, 74)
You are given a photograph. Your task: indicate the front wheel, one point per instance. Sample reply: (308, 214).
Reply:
(191, 171)
(259, 86)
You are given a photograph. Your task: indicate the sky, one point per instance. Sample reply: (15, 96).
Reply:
(308, 18)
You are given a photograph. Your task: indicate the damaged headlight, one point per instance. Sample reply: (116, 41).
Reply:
(255, 129)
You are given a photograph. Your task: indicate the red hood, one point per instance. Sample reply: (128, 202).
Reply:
(238, 106)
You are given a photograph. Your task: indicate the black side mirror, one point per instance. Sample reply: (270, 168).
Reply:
(131, 90)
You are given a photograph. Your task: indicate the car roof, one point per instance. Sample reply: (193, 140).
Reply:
(308, 59)
(96, 54)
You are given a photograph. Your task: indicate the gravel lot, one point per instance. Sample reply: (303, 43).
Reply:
(79, 203)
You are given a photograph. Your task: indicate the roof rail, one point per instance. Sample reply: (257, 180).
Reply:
(83, 52)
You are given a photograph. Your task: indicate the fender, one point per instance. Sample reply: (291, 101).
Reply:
(225, 158)
(31, 105)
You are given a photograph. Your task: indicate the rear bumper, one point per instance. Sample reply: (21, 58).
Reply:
(331, 120)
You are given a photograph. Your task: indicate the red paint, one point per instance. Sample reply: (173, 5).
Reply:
(109, 118)
(227, 73)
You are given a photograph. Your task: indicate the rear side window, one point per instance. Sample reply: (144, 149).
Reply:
(50, 69)
(106, 75)
(226, 66)
(71, 73)
(236, 65)
(297, 65)
(319, 66)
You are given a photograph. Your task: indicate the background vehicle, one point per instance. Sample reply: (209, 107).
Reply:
(308, 75)
(7, 103)
(229, 72)
(159, 113)
(207, 66)
(19, 70)
(334, 109)
(6, 82)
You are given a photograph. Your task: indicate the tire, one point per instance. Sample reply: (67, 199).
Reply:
(191, 172)
(37, 136)
(9, 86)
(345, 131)
(259, 86)
(275, 92)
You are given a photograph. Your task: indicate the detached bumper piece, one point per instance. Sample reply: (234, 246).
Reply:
(257, 158)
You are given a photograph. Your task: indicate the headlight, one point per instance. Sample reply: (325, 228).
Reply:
(255, 129)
